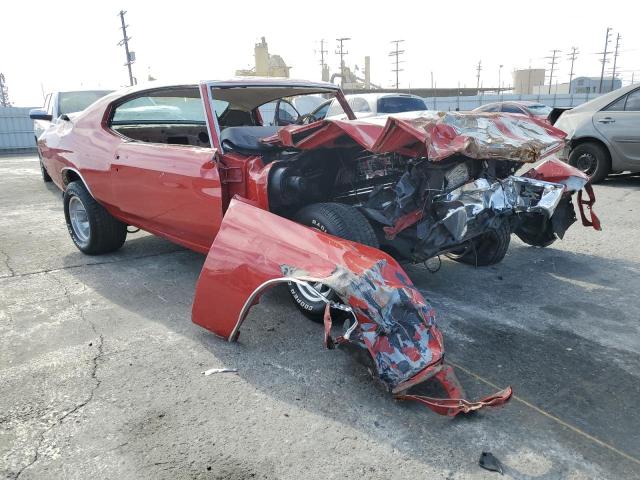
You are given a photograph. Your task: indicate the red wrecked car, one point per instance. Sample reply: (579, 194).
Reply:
(327, 207)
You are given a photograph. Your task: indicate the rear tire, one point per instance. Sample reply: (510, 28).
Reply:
(93, 230)
(593, 159)
(486, 249)
(337, 219)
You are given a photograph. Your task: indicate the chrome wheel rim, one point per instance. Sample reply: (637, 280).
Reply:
(316, 292)
(79, 220)
(587, 163)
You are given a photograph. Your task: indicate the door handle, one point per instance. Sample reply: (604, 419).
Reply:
(607, 120)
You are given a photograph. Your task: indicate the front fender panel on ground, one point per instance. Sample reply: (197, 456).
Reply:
(256, 249)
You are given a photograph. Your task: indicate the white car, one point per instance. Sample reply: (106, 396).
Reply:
(373, 104)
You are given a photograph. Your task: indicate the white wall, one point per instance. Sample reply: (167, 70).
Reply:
(471, 102)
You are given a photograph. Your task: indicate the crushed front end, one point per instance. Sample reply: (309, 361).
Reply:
(433, 183)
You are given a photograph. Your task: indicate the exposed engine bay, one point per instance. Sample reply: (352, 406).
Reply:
(421, 208)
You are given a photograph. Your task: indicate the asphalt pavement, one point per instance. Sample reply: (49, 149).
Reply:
(101, 367)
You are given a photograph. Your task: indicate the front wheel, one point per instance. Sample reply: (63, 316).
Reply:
(93, 230)
(486, 249)
(592, 159)
(337, 219)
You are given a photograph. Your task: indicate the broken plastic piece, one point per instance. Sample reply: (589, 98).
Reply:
(489, 462)
(211, 371)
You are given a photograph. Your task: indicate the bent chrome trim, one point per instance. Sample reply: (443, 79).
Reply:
(81, 178)
(275, 281)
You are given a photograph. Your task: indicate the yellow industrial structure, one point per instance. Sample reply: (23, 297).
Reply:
(266, 65)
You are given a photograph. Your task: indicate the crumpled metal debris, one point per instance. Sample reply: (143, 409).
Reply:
(436, 135)
(515, 194)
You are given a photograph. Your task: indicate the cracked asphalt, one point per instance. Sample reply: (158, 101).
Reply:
(101, 367)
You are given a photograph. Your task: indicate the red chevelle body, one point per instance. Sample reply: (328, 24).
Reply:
(204, 166)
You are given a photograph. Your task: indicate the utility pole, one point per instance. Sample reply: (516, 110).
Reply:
(131, 56)
(4, 92)
(342, 53)
(432, 83)
(499, 78)
(615, 58)
(396, 53)
(572, 56)
(322, 52)
(604, 57)
(478, 69)
(553, 66)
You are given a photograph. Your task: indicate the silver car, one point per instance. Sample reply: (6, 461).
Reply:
(603, 135)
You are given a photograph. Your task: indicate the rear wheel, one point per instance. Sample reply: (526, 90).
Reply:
(337, 219)
(93, 230)
(486, 249)
(592, 159)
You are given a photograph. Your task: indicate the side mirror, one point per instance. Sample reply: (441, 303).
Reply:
(39, 114)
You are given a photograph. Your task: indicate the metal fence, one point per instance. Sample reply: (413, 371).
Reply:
(469, 103)
(16, 130)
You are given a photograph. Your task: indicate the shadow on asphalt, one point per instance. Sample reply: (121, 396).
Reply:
(280, 352)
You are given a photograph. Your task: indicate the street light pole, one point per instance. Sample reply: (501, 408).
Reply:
(499, 78)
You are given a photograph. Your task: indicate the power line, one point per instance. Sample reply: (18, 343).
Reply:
(604, 57)
(342, 53)
(131, 56)
(615, 58)
(397, 54)
(553, 66)
(572, 55)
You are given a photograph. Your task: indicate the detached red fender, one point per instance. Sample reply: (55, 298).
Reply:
(556, 171)
(256, 249)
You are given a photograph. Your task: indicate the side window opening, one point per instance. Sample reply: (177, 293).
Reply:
(174, 117)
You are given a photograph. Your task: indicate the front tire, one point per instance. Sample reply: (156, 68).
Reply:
(93, 230)
(486, 249)
(592, 159)
(337, 219)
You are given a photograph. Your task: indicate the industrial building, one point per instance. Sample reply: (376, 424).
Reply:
(266, 65)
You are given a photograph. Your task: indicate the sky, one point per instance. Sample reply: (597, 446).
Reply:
(48, 45)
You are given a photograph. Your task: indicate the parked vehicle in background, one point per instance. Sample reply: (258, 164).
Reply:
(372, 104)
(57, 104)
(603, 135)
(531, 109)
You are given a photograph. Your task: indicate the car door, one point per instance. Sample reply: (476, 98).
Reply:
(619, 123)
(164, 175)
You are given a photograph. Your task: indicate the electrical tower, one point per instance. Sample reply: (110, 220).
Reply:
(478, 70)
(342, 53)
(322, 64)
(131, 56)
(396, 53)
(4, 92)
(553, 66)
(572, 56)
(615, 58)
(604, 57)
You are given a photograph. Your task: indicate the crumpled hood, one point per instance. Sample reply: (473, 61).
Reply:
(436, 135)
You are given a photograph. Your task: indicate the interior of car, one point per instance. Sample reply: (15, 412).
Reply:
(176, 116)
